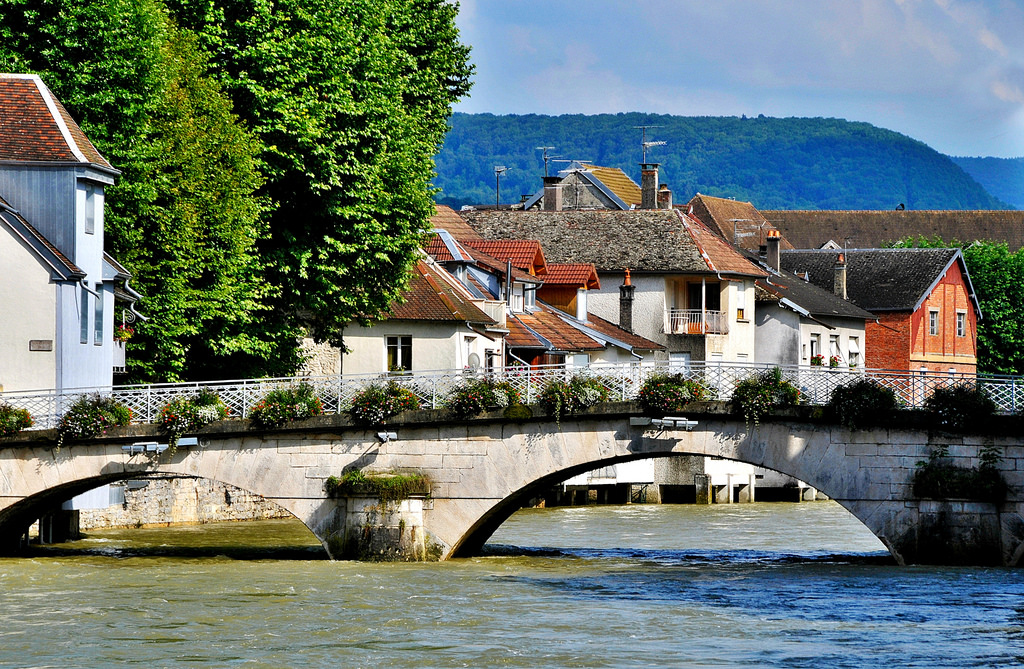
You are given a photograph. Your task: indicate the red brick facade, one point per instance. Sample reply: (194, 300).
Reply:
(903, 340)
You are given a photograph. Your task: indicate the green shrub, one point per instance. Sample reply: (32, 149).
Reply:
(861, 403)
(286, 404)
(13, 421)
(960, 407)
(937, 478)
(476, 396)
(89, 416)
(377, 402)
(186, 414)
(561, 398)
(662, 394)
(756, 396)
(386, 487)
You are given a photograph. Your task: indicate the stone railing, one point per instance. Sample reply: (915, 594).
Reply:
(432, 387)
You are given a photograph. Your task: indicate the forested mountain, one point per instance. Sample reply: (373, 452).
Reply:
(1003, 177)
(776, 163)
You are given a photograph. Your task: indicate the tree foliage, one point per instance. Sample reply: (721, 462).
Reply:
(998, 279)
(775, 163)
(183, 216)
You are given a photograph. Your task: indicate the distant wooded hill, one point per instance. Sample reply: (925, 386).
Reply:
(1002, 177)
(775, 163)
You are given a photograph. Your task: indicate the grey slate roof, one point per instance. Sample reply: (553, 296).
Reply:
(815, 300)
(657, 240)
(878, 279)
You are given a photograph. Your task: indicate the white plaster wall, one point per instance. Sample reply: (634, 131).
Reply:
(739, 345)
(777, 335)
(648, 303)
(28, 310)
(843, 327)
(435, 346)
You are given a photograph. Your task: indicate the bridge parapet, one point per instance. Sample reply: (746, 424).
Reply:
(482, 470)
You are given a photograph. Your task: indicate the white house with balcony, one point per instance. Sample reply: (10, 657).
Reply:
(57, 288)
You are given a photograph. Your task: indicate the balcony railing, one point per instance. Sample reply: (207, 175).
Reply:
(696, 321)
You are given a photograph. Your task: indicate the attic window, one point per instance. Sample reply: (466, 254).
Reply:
(961, 323)
(933, 322)
(90, 210)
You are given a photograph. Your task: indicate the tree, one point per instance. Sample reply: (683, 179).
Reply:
(998, 279)
(183, 217)
(350, 100)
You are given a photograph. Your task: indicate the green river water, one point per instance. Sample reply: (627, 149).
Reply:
(761, 585)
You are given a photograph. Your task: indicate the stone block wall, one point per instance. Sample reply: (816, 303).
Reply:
(181, 501)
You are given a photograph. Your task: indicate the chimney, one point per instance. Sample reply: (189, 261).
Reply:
(839, 285)
(626, 304)
(552, 194)
(772, 257)
(664, 197)
(648, 185)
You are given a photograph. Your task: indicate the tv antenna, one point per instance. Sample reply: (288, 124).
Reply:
(643, 139)
(499, 171)
(547, 158)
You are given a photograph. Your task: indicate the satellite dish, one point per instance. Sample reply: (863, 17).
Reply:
(474, 361)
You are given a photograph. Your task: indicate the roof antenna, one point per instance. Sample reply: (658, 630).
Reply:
(499, 170)
(643, 139)
(547, 158)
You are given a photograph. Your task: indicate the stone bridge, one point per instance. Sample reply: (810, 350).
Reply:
(482, 470)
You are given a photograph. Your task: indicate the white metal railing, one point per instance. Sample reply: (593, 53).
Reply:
(622, 380)
(696, 321)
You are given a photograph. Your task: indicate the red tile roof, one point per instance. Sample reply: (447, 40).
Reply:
(561, 335)
(446, 218)
(526, 254)
(432, 296)
(739, 223)
(719, 254)
(572, 274)
(436, 249)
(612, 330)
(34, 126)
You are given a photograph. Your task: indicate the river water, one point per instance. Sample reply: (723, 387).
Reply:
(765, 585)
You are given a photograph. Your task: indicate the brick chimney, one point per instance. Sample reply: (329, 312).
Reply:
(772, 257)
(839, 284)
(664, 197)
(648, 185)
(626, 304)
(552, 194)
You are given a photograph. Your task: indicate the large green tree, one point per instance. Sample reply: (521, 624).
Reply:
(350, 99)
(184, 216)
(998, 279)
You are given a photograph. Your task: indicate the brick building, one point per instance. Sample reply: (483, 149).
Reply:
(923, 301)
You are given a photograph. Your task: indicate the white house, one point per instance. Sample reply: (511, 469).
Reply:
(56, 283)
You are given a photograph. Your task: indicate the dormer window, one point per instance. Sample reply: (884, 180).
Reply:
(531, 297)
(518, 297)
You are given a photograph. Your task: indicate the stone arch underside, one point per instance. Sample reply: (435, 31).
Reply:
(53, 477)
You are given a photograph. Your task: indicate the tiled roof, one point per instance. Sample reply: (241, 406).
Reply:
(572, 274)
(817, 301)
(656, 240)
(612, 330)
(525, 254)
(737, 222)
(436, 249)
(876, 279)
(525, 328)
(434, 296)
(619, 183)
(35, 127)
(446, 218)
(872, 229)
(60, 262)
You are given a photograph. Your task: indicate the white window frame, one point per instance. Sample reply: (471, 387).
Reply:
(961, 323)
(933, 322)
(398, 343)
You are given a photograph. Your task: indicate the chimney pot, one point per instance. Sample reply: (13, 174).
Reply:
(626, 291)
(839, 282)
(664, 197)
(772, 257)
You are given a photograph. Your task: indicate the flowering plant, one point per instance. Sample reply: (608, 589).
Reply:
(286, 404)
(375, 403)
(91, 415)
(123, 333)
(756, 396)
(664, 393)
(833, 361)
(581, 392)
(13, 421)
(187, 414)
(473, 397)
(818, 360)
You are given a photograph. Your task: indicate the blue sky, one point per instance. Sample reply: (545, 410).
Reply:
(949, 73)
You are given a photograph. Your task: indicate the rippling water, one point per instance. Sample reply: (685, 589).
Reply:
(780, 585)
